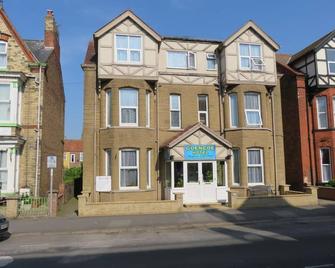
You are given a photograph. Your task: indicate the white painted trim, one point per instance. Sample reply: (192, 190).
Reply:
(318, 112)
(330, 164)
(203, 112)
(5, 53)
(149, 158)
(130, 107)
(132, 167)
(128, 61)
(253, 110)
(14, 98)
(147, 109)
(187, 52)
(256, 165)
(231, 112)
(108, 108)
(249, 56)
(108, 153)
(175, 110)
(232, 167)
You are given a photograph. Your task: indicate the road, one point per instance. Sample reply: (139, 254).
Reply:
(303, 242)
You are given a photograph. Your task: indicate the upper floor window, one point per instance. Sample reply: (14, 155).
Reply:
(147, 109)
(255, 166)
(128, 107)
(233, 110)
(108, 108)
(72, 158)
(175, 111)
(211, 61)
(3, 170)
(203, 109)
(251, 57)
(321, 106)
(3, 54)
(326, 168)
(5, 102)
(331, 60)
(129, 175)
(81, 156)
(253, 109)
(181, 59)
(128, 48)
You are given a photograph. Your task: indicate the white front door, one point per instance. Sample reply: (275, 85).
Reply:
(200, 182)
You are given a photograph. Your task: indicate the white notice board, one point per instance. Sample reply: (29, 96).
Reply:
(103, 183)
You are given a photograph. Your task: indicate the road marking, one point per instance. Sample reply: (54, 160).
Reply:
(5, 260)
(321, 266)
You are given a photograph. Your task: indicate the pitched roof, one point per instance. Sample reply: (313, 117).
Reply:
(90, 53)
(73, 145)
(37, 47)
(192, 129)
(314, 46)
(258, 30)
(123, 16)
(282, 61)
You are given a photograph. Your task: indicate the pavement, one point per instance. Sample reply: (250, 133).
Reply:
(185, 220)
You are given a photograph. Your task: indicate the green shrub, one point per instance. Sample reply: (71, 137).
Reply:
(72, 174)
(330, 183)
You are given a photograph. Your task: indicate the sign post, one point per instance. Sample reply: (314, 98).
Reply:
(51, 164)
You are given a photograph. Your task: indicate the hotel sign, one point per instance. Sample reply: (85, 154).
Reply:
(199, 152)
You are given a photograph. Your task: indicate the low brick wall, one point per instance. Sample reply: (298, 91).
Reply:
(87, 208)
(308, 198)
(326, 193)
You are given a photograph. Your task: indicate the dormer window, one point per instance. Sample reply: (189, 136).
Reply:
(128, 49)
(181, 59)
(251, 57)
(3, 54)
(331, 61)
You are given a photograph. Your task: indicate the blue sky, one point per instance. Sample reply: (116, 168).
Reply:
(293, 24)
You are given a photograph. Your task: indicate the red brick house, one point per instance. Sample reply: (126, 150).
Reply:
(308, 100)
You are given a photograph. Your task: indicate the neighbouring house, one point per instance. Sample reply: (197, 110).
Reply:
(309, 112)
(31, 108)
(73, 153)
(166, 115)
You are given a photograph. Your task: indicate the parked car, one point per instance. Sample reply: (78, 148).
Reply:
(4, 225)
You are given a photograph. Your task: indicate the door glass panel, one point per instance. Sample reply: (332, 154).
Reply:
(221, 173)
(192, 172)
(178, 175)
(207, 172)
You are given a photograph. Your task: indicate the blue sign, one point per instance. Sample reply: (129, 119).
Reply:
(199, 152)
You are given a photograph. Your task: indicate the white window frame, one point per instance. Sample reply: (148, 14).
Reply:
(255, 165)
(231, 110)
(109, 108)
(64, 156)
(203, 112)
(5, 53)
(330, 62)
(81, 156)
(147, 109)
(251, 59)
(175, 110)
(233, 165)
(318, 111)
(211, 56)
(128, 107)
(330, 164)
(149, 158)
(72, 158)
(6, 168)
(188, 61)
(9, 102)
(259, 110)
(108, 162)
(128, 61)
(129, 167)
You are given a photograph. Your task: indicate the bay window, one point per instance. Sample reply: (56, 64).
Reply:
(3, 170)
(330, 60)
(203, 109)
(175, 111)
(236, 166)
(3, 54)
(321, 107)
(253, 109)
(128, 49)
(129, 175)
(251, 57)
(5, 102)
(108, 108)
(326, 169)
(108, 162)
(181, 59)
(233, 110)
(128, 107)
(255, 166)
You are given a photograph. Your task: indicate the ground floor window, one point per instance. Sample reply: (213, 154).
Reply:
(178, 174)
(3, 170)
(149, 168)
(221, 173)
(108, 162)
(207, 172)
(255, 166)
(236, 166)
(326, 171)
(129, 169)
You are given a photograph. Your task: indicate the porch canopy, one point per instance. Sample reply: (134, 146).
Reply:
(198, 142)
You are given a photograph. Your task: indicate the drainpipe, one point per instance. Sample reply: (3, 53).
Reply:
(309, 129)
(38, 130)
(274, 140)
(157, 139)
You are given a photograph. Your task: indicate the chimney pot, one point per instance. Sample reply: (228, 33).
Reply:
(50, 12)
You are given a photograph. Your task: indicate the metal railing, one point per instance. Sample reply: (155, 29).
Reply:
(30, 206)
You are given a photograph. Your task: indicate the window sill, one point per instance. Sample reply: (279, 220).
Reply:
(133, 190)
(175, 129)
(248, 128)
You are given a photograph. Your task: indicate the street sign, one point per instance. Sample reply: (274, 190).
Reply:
(103, 183)
(52, 161)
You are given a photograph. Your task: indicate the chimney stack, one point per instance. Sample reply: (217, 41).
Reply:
(51, 32)
(1, 4)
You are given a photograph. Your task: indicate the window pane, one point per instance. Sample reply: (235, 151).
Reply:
(121, 55)
(177, 59)
(254, 174)
(202, 100)
(221, 175)
(129, 178)
(233, 110)
(236, 167)
(326, 173)
(109, 108)
(2, 47)
(253, 118)
(175, 119)
(244, 50)
(325, 156)
(135, 42)
(211, 64)
(108, 162)
(332, 68)
(135, 56)
(174, 99)
(3, 159)
(4, 111)
(192, 172)
(254, 157)
(203, 118)
(323, 120)
(3, 60)
(129, 97)
(128, 159)
(245, 62)
(128, 115)
(3, 179)
(4, 92)
(178, 174)
(331, 54)
(122, 41)
(322, 104)
(255, 51)
(191, 60)
(251, 101)
(207, 172)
